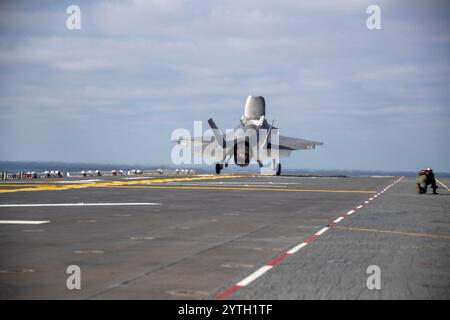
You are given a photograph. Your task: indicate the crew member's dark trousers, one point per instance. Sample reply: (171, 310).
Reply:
(433, 185)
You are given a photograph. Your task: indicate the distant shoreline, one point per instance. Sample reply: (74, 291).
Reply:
(37, 166)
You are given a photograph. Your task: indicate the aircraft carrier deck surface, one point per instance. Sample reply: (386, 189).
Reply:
(224, 237)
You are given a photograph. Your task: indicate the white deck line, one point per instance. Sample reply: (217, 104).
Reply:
(258, 273)
(23, 222)
(81, 204)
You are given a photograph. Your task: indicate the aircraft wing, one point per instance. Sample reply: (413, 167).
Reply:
(288, 143)
(200, 141)
(198, 145)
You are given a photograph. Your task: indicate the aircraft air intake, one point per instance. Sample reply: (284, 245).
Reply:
(255, 107)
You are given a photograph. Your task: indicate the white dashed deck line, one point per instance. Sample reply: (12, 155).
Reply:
(255, 275)
(297, 247)
(350, 212)
(258, 273)
(323, 230)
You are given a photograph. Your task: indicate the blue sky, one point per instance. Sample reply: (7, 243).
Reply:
(115, 90)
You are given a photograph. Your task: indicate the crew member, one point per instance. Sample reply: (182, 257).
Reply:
(421, 182)
(431, 180)
(424, 178)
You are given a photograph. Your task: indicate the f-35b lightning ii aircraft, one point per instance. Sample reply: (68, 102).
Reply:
(254, 140)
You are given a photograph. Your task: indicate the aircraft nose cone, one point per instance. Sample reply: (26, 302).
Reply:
(255, 107)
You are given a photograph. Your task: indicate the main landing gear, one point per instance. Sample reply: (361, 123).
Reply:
(278, 169)
(219, 168)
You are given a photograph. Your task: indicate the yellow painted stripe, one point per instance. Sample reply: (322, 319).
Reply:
(246, 189)
(411, 234)
(115, 183)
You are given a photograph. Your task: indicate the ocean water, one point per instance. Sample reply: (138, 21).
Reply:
(16, 166)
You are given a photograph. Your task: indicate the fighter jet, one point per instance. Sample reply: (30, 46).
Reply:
(254, 140)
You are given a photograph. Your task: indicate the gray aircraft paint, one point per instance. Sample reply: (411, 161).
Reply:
(264, 144)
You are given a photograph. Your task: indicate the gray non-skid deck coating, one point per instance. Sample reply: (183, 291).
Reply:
(198, 243)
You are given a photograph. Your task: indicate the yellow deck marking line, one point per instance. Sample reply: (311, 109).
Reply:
(442, 184)
(411, 234)
(246, 189)
(115, 183)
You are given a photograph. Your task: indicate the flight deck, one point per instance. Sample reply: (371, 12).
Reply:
(224, 237)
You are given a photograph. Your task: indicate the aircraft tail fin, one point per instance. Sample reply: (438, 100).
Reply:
(217, 134)
(268, 134)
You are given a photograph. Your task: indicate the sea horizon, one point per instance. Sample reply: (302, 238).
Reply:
(41, 166)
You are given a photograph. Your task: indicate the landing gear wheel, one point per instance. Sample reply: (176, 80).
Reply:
(219, 167)
(279, 169)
